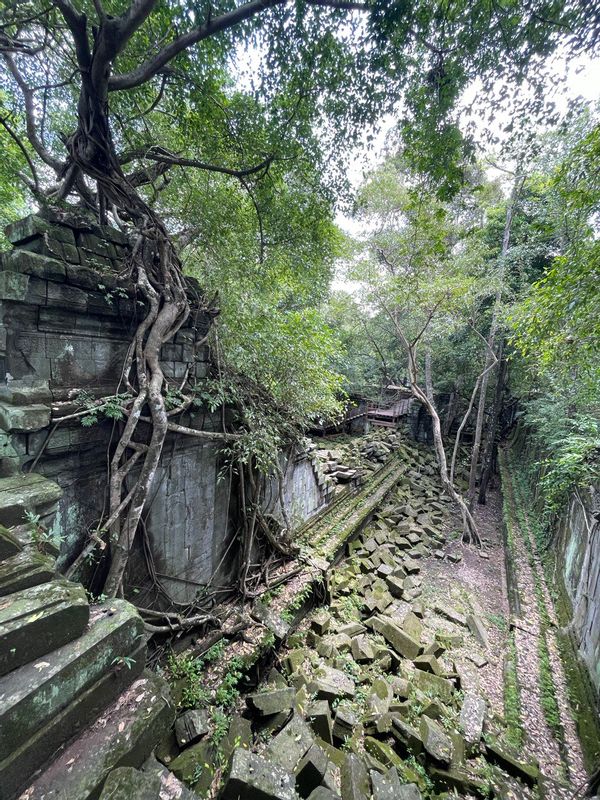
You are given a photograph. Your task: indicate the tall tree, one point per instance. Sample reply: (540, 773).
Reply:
(108, 72)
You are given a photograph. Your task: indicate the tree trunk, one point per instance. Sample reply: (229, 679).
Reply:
(491, 341)
(488, 458)
(451, 410)
(156, 270)
(470, 533)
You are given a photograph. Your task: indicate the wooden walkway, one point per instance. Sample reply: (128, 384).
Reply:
(390, 416)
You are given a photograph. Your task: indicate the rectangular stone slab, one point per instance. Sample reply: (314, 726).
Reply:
(123, 736)
(35, 621)
(33, 695)
(25, 569)
(253, 777)
(21, 766)
(21, 493)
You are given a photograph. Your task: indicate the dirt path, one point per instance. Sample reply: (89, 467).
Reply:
(550, 733)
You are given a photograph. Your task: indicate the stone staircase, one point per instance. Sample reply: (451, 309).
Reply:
(75, 702)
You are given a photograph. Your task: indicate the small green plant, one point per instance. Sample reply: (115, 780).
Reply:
(111, 407)
(228, 693)
(499, 621)
(124, 661)
(188, 670)
(40, 535)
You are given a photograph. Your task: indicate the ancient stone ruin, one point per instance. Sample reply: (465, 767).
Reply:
(382, 660)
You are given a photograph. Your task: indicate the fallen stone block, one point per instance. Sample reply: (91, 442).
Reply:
(128, 783)
(124, 735)
(330, 683)
(354, 779)
(311, 770)
(270, 619)
(395, 585)
(290, 744)
(191, 726)
(382, 752)
(255, 778)
(35, 699)
(407, 737)
(472, 718)
(25, 569)
(401, 642)
(478, 630)
(319, 716)
(26, 492)
(170, 787)
(477, 659)
(344, 723)
(37, 620)
(457, 780)
(413, 626)
(380, 697)
(387, 786)
(321, 622)
(451, 614)
(435, 741)
(9, 544)
(429, 683)
(528, 773)
(362, 649)
(196, 765)
(322, 793)
(272, 702)
(429, 664)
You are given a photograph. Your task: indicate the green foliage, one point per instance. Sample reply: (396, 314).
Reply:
(227, 693)
(570, 444)
(110, 407)
(512, 697)
(189, 671)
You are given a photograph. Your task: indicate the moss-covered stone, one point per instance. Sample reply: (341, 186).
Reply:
(125, 735)
(35, 621)
(25, 569)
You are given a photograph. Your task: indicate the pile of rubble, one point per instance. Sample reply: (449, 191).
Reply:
(368, 700)
(347, 460)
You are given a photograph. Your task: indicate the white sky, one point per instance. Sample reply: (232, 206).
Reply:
(582, 80)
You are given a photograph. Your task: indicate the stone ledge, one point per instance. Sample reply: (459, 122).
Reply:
(36, 621)
(32, 697)
(24, 419)
(21, 493)
(123, 736)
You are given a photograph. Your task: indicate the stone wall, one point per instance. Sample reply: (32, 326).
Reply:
(578, 543)
(67, 315)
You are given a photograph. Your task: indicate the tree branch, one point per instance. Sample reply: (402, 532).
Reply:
(30, 122)
(21, 147)
(165, 157)
(211, 27)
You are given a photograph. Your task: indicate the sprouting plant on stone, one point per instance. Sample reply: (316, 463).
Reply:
(111, 295)
(40, 535)
(220, 725)
(227, 693)
(197, 774)
(125, 661)
(173, 398)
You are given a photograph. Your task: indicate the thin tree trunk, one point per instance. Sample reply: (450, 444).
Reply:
(490, 445)
(450, 410)
(470, 533)
(510, 210)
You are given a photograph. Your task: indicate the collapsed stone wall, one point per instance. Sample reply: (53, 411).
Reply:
(67, 316)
